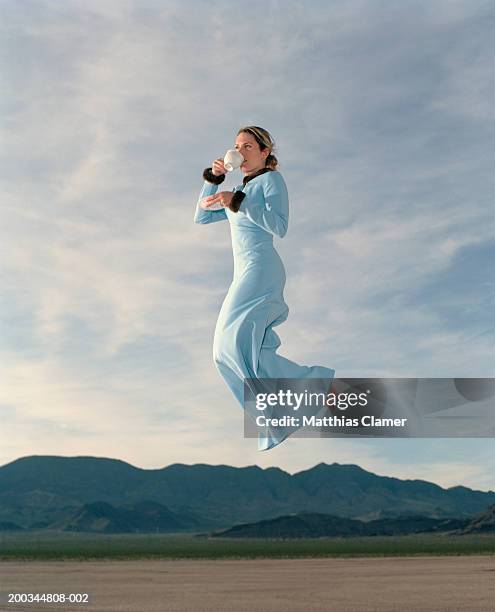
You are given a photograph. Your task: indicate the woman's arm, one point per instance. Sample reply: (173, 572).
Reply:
(208, 216)
(269, 209)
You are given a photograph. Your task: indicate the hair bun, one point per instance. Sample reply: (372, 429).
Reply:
(271, 161)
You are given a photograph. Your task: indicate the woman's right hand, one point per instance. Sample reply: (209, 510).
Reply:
(217, 167)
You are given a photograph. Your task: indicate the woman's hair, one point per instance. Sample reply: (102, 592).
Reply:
(265, 141)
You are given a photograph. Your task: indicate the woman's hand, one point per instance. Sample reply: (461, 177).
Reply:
(218, 168)
(224, 198)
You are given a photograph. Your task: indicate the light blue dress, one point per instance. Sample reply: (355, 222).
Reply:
(245, 343)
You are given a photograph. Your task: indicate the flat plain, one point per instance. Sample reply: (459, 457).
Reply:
(426, 583)
(161, 572)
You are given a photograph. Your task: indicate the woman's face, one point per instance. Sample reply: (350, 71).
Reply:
(254, 157)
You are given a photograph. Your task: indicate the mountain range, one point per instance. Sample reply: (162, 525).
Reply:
(109, 495)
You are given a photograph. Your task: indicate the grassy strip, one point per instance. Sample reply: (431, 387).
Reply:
(60, 545)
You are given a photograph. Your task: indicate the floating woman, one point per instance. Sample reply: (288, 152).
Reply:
(245, 342)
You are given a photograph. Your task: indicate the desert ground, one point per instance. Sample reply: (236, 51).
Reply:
(351, 584)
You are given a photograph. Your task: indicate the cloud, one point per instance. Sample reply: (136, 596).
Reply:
(381, 118)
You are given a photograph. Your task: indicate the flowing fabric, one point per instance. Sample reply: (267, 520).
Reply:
(245, 343)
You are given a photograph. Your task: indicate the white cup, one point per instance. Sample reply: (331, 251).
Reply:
(232, 160)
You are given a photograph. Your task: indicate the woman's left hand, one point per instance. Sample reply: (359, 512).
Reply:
(224, 198)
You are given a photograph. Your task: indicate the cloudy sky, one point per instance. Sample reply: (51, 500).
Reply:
(383, 117)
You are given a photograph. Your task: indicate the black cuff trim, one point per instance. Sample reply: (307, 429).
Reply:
(236, 201)
(211, 178)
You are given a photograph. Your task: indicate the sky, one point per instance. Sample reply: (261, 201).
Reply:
(383, 118)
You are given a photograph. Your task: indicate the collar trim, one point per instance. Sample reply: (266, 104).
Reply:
(247, 178)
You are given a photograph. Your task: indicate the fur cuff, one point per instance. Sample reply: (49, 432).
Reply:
(211, 178)
(236, 201)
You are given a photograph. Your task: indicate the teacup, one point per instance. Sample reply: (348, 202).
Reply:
(232, 160)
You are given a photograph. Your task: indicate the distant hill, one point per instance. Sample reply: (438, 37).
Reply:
(313, 525)
(42, 491)
(8, 526)
(143, 517)
(482, 523)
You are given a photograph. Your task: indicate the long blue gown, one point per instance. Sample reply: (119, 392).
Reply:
(245, 343)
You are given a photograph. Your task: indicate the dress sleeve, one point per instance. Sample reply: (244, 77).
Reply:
(202, 215)
(269, 208)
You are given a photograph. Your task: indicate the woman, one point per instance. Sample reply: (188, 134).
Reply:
(245, 342)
